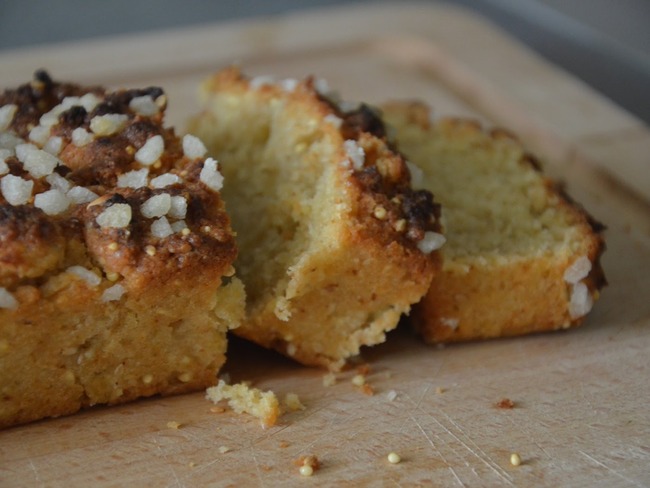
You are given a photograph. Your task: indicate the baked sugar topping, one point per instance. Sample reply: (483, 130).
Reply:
(16, 190)
(85, 274)
(211, 176)
(7, 113)
(117, 215)
(432, 241)
(81, 194)
(578, 270)
(108, 124)
(144, 105)
(151, 151)
(52, 202)
(193, 147)
(7, 300)
(133, 179)
(81, 137)
(161, 228)
(156, 206)
(164, 180)
(355, 153)
(113, 293)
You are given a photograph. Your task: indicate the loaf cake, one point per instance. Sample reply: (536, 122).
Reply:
(334, 244)
(115, 252)
(520, 256)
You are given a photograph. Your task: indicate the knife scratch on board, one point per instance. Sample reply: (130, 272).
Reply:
(435, 448)
(33, 469)
(474, 448)
(611, 470)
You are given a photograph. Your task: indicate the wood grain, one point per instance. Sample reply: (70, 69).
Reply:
(581, 397)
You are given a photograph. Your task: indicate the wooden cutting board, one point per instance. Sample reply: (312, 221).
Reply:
(582, 397)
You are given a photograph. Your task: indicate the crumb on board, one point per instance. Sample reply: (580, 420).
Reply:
(440, 390)
(391, 395)
(224, 449)
(242, 398)
(284, 444)
(515, 459)
(329, 379)
(309, 460)
(358, 380)
(172, 424)
(394, 458)
(367, 390)
(217, 409)
(292, 402)
(505, 403)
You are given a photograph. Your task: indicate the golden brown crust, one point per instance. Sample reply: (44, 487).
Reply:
(478, 295)
(93, 310)
(349, 222)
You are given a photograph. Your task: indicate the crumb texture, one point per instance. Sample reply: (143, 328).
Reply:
(326, 220)
(105, 224)
(519, 256)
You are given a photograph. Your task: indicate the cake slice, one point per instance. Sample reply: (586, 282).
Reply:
(334, 244)
(520, 256)
(115, 252)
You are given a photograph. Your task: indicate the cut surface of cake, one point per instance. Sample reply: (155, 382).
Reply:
(114, 243)
(520, 256)
(334, 244)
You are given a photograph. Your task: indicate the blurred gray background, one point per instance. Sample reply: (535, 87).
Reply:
(606, 43)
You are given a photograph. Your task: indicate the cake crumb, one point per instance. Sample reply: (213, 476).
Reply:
(391, 395)
(515, 459)
(308, 464)
(394, 458)
(217, 409)
(329, 379)
(172, 424)
(505, 403)
(293, 403)
(242, 398)
(284, 444)
(358, 380)
(440, 390)
(367, 390)
(224, 449)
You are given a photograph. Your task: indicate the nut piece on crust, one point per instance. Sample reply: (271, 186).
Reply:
(106, 223)
(330, 232)
(520, 256)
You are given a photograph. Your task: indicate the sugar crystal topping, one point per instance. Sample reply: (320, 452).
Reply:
(81, 137)
(144, 105)
(117, 215)
(113, 293)
(432, 241)
(81, 194)
(52, 202)
(355, 153)
(211, 176)
(7, 113)
(164, 180)
(156, 206)
(108, 124)
(178, 207)
(7, 300)
(193, 147)
(16, 190)
(161, 228)
(151, 151)
(85, 274)
(133, 179)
